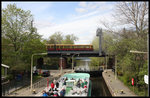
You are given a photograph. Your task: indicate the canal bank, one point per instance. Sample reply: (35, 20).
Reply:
(115, 86)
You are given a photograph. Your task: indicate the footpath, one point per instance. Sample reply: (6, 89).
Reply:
(115, 86)
(39, 86)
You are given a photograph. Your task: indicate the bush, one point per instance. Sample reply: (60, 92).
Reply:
(119, 73)
(9, 77)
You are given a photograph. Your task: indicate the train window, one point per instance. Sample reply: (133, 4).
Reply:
(61, 47)
(72, 46)
(68, 46)
(52, 46)
(65, 46)
(81, 46)
(57, 47)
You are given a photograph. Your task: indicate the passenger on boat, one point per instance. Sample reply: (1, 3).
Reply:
(82, 84)
(78, 83)
(85, 82)
(54, 81)
(55, 89)
(64, 82)
(52, 85)
(75, 82)
(51, 89)
(55, 94)
(85, 86)
(62, 92)
(72, 79)
(45, 94)
(57, 84)
(51, 93)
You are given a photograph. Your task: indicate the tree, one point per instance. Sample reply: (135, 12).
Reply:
(56, 38)
(135, 14)
(133, 37)
(17, 36)
(69, 39)
(16, 25)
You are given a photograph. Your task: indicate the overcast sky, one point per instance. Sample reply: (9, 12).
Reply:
(79, 18)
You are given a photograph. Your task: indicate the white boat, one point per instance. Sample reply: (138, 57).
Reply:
(70, 83)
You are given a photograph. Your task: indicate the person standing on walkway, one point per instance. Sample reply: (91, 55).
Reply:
(52, 85)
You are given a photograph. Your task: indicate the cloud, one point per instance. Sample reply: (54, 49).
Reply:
(82, 4)
(83, 23)
(84, 29)
(81, 10)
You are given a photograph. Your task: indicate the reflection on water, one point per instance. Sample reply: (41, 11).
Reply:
(83, 63)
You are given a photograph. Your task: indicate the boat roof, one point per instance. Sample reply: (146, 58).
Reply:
(77, 75)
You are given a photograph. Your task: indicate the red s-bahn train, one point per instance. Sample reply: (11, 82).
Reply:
(68, 47)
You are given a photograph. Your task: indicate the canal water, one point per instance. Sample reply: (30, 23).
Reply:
(99, 87)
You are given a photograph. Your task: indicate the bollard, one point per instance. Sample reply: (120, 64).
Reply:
(34, 92)
(121, 91)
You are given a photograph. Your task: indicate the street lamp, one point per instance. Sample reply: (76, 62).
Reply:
(61, 59)
(32, 64)
(73, 61)
(132, 51)
(115, 67)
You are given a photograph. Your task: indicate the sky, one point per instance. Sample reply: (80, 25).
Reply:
(79, 18)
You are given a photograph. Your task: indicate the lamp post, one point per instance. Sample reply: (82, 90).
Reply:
(32, 64)
(115, 67)
(106, 63)
(61, 58)
(73, 61)
(132, 51)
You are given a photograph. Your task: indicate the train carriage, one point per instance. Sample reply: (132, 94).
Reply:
(68, 47)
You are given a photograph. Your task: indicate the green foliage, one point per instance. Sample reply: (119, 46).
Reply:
(2, 71)
(69, 39)
(19, 39)
(59, 38)
(9, 77)
(56, 38)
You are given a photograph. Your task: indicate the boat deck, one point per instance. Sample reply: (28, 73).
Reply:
(71, 88)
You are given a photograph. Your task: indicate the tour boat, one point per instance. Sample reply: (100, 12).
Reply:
(69, 83)
(72, 88)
